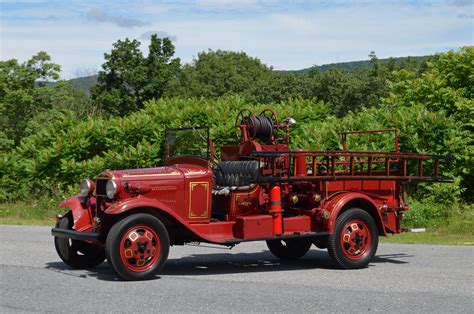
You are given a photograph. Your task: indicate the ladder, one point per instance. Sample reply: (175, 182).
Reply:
(295, 166)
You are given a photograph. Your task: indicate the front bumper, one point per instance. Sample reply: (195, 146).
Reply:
(75, 235)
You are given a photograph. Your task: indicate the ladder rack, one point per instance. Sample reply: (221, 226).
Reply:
(350, 165)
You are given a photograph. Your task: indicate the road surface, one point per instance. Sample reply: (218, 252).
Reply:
(401, 278)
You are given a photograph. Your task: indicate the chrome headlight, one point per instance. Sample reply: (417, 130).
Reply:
(111, 188)
(87, 187)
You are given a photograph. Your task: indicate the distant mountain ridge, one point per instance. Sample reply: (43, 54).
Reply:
(85, 83)
(355, 65)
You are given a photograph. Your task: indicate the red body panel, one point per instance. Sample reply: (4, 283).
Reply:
(82, 211)
(298, 224)
(254, 227)
(183, 188)
(334, 205)
(216, 232)
(244, 203)
(203, 231)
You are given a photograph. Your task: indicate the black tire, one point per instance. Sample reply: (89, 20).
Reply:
(75, 253)
(354, 241)
(321, 242)
(289, 249)
(146, 228)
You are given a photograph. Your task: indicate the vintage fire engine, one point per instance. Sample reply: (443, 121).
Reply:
(259, 191)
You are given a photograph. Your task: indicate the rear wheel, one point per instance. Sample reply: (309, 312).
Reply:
(75, 253)
(289, 248)
(355, 239)
(137, 247)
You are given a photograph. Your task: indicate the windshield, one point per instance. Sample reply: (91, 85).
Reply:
(193, 141)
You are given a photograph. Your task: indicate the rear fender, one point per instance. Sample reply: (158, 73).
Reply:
(144, 202)
(335, 206)
(81, 209)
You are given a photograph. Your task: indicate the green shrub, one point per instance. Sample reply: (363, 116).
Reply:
(65, 150)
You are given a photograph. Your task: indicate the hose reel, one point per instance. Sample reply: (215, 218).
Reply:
(261, 127)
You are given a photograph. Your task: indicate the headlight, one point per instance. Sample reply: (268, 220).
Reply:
(111, 188)
(87, 187)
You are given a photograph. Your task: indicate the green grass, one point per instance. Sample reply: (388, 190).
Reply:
(445, 223)
(439, 236)
(40, 212)
(28, 221)
(455, 228)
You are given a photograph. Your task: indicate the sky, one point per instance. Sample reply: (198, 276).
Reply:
(286, 35)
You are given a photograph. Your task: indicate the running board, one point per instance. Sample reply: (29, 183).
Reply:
(282, 237)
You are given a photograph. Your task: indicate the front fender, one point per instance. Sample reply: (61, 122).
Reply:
(81, 209)
(335, 205)
(137, 202)
(145, 202)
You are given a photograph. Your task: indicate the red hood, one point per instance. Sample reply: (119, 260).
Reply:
(133, 174)
(165, 172)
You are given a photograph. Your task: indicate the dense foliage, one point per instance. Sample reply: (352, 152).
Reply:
(52, 136)
(54, 158)
(448, 88)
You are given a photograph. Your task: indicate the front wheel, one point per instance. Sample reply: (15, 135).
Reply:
(355, 239)
(77, 254)
(289, 248)
(137, 247)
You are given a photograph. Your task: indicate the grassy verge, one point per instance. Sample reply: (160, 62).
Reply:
(40, 212)
(455, 229)
(439, 236)
(29, 221)
(445, 224)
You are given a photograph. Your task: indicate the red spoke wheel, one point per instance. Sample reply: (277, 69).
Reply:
(289, 248)
(137, 247)
(355, 239)
(77, 254)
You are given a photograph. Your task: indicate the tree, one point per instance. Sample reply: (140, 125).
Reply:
(353, 90)
(218, 73)
(278, 87)
(128, 79)
(334, 87)
(28, 94)
(23, 93)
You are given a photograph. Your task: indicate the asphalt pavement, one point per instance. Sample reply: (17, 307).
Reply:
(401, 278)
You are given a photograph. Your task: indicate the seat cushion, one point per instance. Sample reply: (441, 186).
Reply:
(236, 173)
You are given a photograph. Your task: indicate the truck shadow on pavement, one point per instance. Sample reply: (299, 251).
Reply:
(227, 263)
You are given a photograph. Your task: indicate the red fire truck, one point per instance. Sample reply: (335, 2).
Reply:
(259, 190)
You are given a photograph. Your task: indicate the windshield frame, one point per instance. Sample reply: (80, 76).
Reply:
(167, 152)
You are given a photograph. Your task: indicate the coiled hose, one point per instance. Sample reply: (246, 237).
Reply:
(264, 128)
